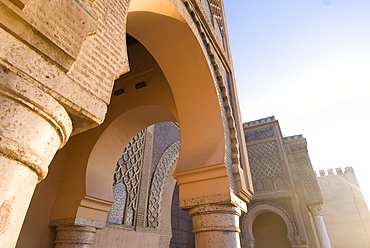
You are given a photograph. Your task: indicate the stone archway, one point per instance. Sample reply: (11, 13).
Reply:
(270, 230)
(185, 88)
(191, 98)
(177, 47)
(248, 219)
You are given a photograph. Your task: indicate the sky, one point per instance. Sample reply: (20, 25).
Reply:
(307, 62)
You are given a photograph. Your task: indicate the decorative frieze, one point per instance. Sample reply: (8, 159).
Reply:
(298, 148)
(259, 134)
(216, 10)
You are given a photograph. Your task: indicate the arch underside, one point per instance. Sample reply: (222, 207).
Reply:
(170, 79)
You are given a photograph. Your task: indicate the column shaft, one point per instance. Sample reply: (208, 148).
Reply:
(17, 183)
(320, 226)
(33, 126)
(321, 229)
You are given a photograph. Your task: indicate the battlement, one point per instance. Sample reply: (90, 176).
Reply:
(260, 121)
(294, 137)
(339, 171)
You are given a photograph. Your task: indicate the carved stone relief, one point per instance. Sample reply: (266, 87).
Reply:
(260, 134)
(266, 169)
(305, 173)
(126, 182)
(156, 189)
(298, 148)
(216, 10)
(282, 204)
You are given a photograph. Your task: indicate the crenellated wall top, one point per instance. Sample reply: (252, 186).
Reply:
(339, 171)
(294, 137)
(260, 121)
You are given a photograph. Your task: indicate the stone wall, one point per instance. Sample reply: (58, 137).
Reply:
(345, 212)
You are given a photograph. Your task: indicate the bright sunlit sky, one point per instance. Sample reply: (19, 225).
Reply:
(307, 62)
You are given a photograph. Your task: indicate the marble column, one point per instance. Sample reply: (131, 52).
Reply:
(216, 225)
(320, 226)
(76, 232)
(33, 126)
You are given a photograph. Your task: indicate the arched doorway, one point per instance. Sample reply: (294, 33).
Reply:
(270, 231)
(281, 225)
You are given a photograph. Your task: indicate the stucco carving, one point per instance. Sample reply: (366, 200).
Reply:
(126, 182)
(298, 148)
(284, 206)
(306, 176)
(156, 189)
(266, 169)
(315, 210)
(216, 9)
(247, 219)
(260, 134)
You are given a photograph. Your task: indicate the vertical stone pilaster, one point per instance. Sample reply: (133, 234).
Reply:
(33, 126)
(320, 226)
(75, 233)
(216, 225)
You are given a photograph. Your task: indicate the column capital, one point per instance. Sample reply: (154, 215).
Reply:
(216, 225)
(33, 125)
(218, 217)
(315, 210)
(218, 199)
(78, 232)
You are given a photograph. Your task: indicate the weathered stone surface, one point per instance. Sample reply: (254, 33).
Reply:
(77, 233)
(216, 225)
(33, 126)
